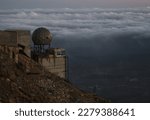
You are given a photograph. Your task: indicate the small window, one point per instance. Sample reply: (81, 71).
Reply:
(13, 55)
(61, 52)
(47, 37)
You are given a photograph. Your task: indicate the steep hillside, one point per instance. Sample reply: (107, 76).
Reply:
(18, 86)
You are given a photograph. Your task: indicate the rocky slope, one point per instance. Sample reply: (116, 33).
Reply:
(18, 86)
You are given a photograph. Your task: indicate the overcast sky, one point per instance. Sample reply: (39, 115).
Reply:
(9, 4)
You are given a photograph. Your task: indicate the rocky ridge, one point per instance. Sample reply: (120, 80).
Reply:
(16, 86)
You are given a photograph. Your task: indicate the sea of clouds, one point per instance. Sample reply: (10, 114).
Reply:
(84, 22)
(108, 49)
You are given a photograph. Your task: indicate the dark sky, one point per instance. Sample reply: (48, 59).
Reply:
(9, 4)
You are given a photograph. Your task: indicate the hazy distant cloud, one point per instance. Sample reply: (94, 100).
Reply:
(10, 4)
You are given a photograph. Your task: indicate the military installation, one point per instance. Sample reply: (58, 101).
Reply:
(17, 44)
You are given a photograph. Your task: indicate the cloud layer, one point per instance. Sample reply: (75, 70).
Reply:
(84, 22)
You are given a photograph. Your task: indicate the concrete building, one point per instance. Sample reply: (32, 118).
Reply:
(17, 43)
(54, 60)
(14, 42)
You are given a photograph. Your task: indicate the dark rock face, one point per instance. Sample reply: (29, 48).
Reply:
(17, 86)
